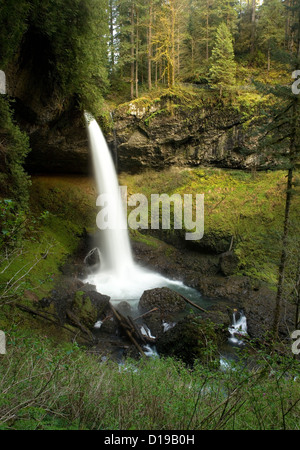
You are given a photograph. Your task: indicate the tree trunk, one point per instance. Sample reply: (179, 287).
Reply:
(207, 32)
(178, 51)
(111, 31)
(132, 51)
(253, 17)
(150, 47)
(137, 57)
(283, 259)
(287, 28)
(172, 59)
(297, 289)
(192, 48)
(294, 143)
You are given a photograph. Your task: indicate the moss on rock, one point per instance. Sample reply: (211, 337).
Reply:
(84, 309)
(191, 339)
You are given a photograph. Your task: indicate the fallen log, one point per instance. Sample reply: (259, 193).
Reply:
(74, 319)
(129, 330)
(37, 313)
(136, 329)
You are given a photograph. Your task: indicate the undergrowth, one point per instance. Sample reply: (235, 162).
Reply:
(45, 387)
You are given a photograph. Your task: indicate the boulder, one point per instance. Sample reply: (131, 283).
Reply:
(229, 263)
(89, 307)
(93, 258)
(84, 309)
(192, 338)
(124, 308)
(169, 305)
(167, 300)
(231, 287)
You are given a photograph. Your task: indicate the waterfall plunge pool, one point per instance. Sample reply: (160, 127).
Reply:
(131, 285)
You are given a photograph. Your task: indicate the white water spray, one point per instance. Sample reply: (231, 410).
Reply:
(238, 328)
(119, 277)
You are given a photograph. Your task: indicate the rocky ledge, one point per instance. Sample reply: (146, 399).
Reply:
(146, 134)
(168, 132)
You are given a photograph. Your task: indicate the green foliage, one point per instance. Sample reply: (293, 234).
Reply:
(34, 245)
(63, 387)
(223, 66)
(12, 221)
(76, 30)
(271, 23)
(248, 206)
(13, 25)
(15, 145)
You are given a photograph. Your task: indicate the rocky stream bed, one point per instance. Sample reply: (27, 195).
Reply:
(164, 320)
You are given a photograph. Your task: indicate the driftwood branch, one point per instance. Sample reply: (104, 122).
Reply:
(146, 313)
(192, 303)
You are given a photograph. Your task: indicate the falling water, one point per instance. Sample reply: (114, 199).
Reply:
(238, 328)
(118, 276)
(117, 254)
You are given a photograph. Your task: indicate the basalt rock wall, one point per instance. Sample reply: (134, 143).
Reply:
(157, 136)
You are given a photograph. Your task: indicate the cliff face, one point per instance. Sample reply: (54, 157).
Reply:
(153, 136)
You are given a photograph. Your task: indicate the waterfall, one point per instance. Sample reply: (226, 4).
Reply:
(117, 255)
(118, 275)
(238, 327)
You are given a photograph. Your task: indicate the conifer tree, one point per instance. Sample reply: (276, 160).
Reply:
(271, 31)
(223, 67)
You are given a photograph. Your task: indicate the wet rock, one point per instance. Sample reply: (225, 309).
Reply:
(168, 303)
(167, 300)
(101, 302)
(228, 263)
(124, 308)
(193, 338)
(93, 258)
(87, 287)
(155, 136)
(84, 309)
(109, 327)
(233, 287)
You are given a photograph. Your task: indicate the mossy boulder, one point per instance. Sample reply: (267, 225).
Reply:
(89, 307)
(193, 338)
(98, 300)
(163, 298)
(84, 309)
(214, 242)
(229, 262)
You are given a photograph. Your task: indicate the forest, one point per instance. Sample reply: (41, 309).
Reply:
(185, 97)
